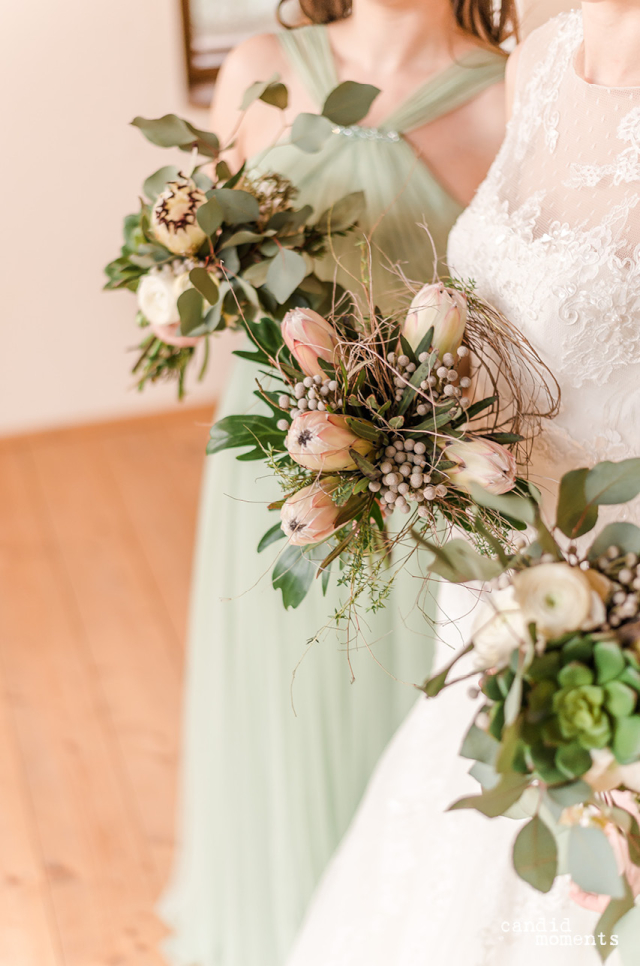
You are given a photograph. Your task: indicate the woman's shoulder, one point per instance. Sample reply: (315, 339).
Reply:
(254, 56)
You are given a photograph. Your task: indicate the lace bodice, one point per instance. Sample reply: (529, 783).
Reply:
(553, 239)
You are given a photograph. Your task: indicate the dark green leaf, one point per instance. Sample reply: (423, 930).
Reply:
(255, 431)
(271, 536)
(535, 855)
(294, 572)
(349, 102)
(202, 281)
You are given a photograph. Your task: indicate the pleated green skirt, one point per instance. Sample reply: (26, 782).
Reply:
(267, 792)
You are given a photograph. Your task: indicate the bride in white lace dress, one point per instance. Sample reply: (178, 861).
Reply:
(553, 239)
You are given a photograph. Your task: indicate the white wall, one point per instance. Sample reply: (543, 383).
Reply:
(73, 73)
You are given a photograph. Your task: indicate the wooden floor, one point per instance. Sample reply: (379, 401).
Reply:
(96, 535)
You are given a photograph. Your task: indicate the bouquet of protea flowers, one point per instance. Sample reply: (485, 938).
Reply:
(207, 250)
(556, 647)
(375, 438)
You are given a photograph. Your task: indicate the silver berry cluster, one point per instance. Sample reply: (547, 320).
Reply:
(313, 392)
(443, 383)
(623, 570)
(405, 478)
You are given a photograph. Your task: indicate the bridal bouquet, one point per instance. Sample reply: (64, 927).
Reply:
(556, 648)
(207, 250)
(375, 440)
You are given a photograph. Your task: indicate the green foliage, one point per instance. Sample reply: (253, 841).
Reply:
(285, 273)
(295, 571)
(349, 103)
(535, 855)
(171, 131)
(309, 132)
(592, 863)
(255, 431)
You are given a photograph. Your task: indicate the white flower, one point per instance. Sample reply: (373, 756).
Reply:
(157, 299)
(556, 597)
(606, 774)
(498, 630)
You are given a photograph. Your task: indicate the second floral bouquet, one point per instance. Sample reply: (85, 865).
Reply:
(376, 439)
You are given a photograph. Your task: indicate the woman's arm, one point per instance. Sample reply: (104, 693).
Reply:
(256, 59)
(510, 79)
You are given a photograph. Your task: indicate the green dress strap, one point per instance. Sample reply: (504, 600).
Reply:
(448, 90)
(309, 52)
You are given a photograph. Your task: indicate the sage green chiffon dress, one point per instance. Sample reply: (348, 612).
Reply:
(267, 792)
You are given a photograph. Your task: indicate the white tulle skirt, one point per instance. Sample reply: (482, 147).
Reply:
(413, 884)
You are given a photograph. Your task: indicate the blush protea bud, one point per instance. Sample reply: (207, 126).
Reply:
(481, 462)
(309, 337)
(444, 310)
(309, 516)
(173, 218)
(321, 441)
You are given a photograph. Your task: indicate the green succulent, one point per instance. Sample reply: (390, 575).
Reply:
(582, 715)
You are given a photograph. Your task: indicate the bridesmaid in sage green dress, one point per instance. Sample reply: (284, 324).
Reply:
(267, 793)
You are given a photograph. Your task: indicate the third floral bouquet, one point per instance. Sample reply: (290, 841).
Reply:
(556, 651)
(378, 433)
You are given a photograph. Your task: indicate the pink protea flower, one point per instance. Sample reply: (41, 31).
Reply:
(309, 516)
(309, 337)
(483, 462)
(444, 309)
(321, 441)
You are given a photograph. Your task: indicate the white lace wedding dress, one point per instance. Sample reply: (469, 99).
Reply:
(553, 239)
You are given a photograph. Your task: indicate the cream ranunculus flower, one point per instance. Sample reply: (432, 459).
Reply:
(498, 629)
(157, 298)
(555, 596)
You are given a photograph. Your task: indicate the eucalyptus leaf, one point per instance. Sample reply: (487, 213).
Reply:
(480, 745)
(210, 216)
(574, 516)
(255, 91)
(509, 504)
(625, 536)
(535, 855)
(309, 132)
(349, 102)
(573, 793)
(238, 207)
(167, 132)
(592, 863)
(157, 182)
(343, 213)
(458, 562)
(203, 283)
(285, 273)
(496, 801)
(608, 923)
(190, 305)
(611, 483)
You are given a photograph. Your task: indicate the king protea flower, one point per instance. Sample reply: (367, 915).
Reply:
(309, 516)
(321, 441)
(309, 337)
(173, 218)
(481, 462)
(444, 310)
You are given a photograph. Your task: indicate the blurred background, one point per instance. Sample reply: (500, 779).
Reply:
(98, 483)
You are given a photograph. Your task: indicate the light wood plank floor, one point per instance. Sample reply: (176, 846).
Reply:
(96, 536)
